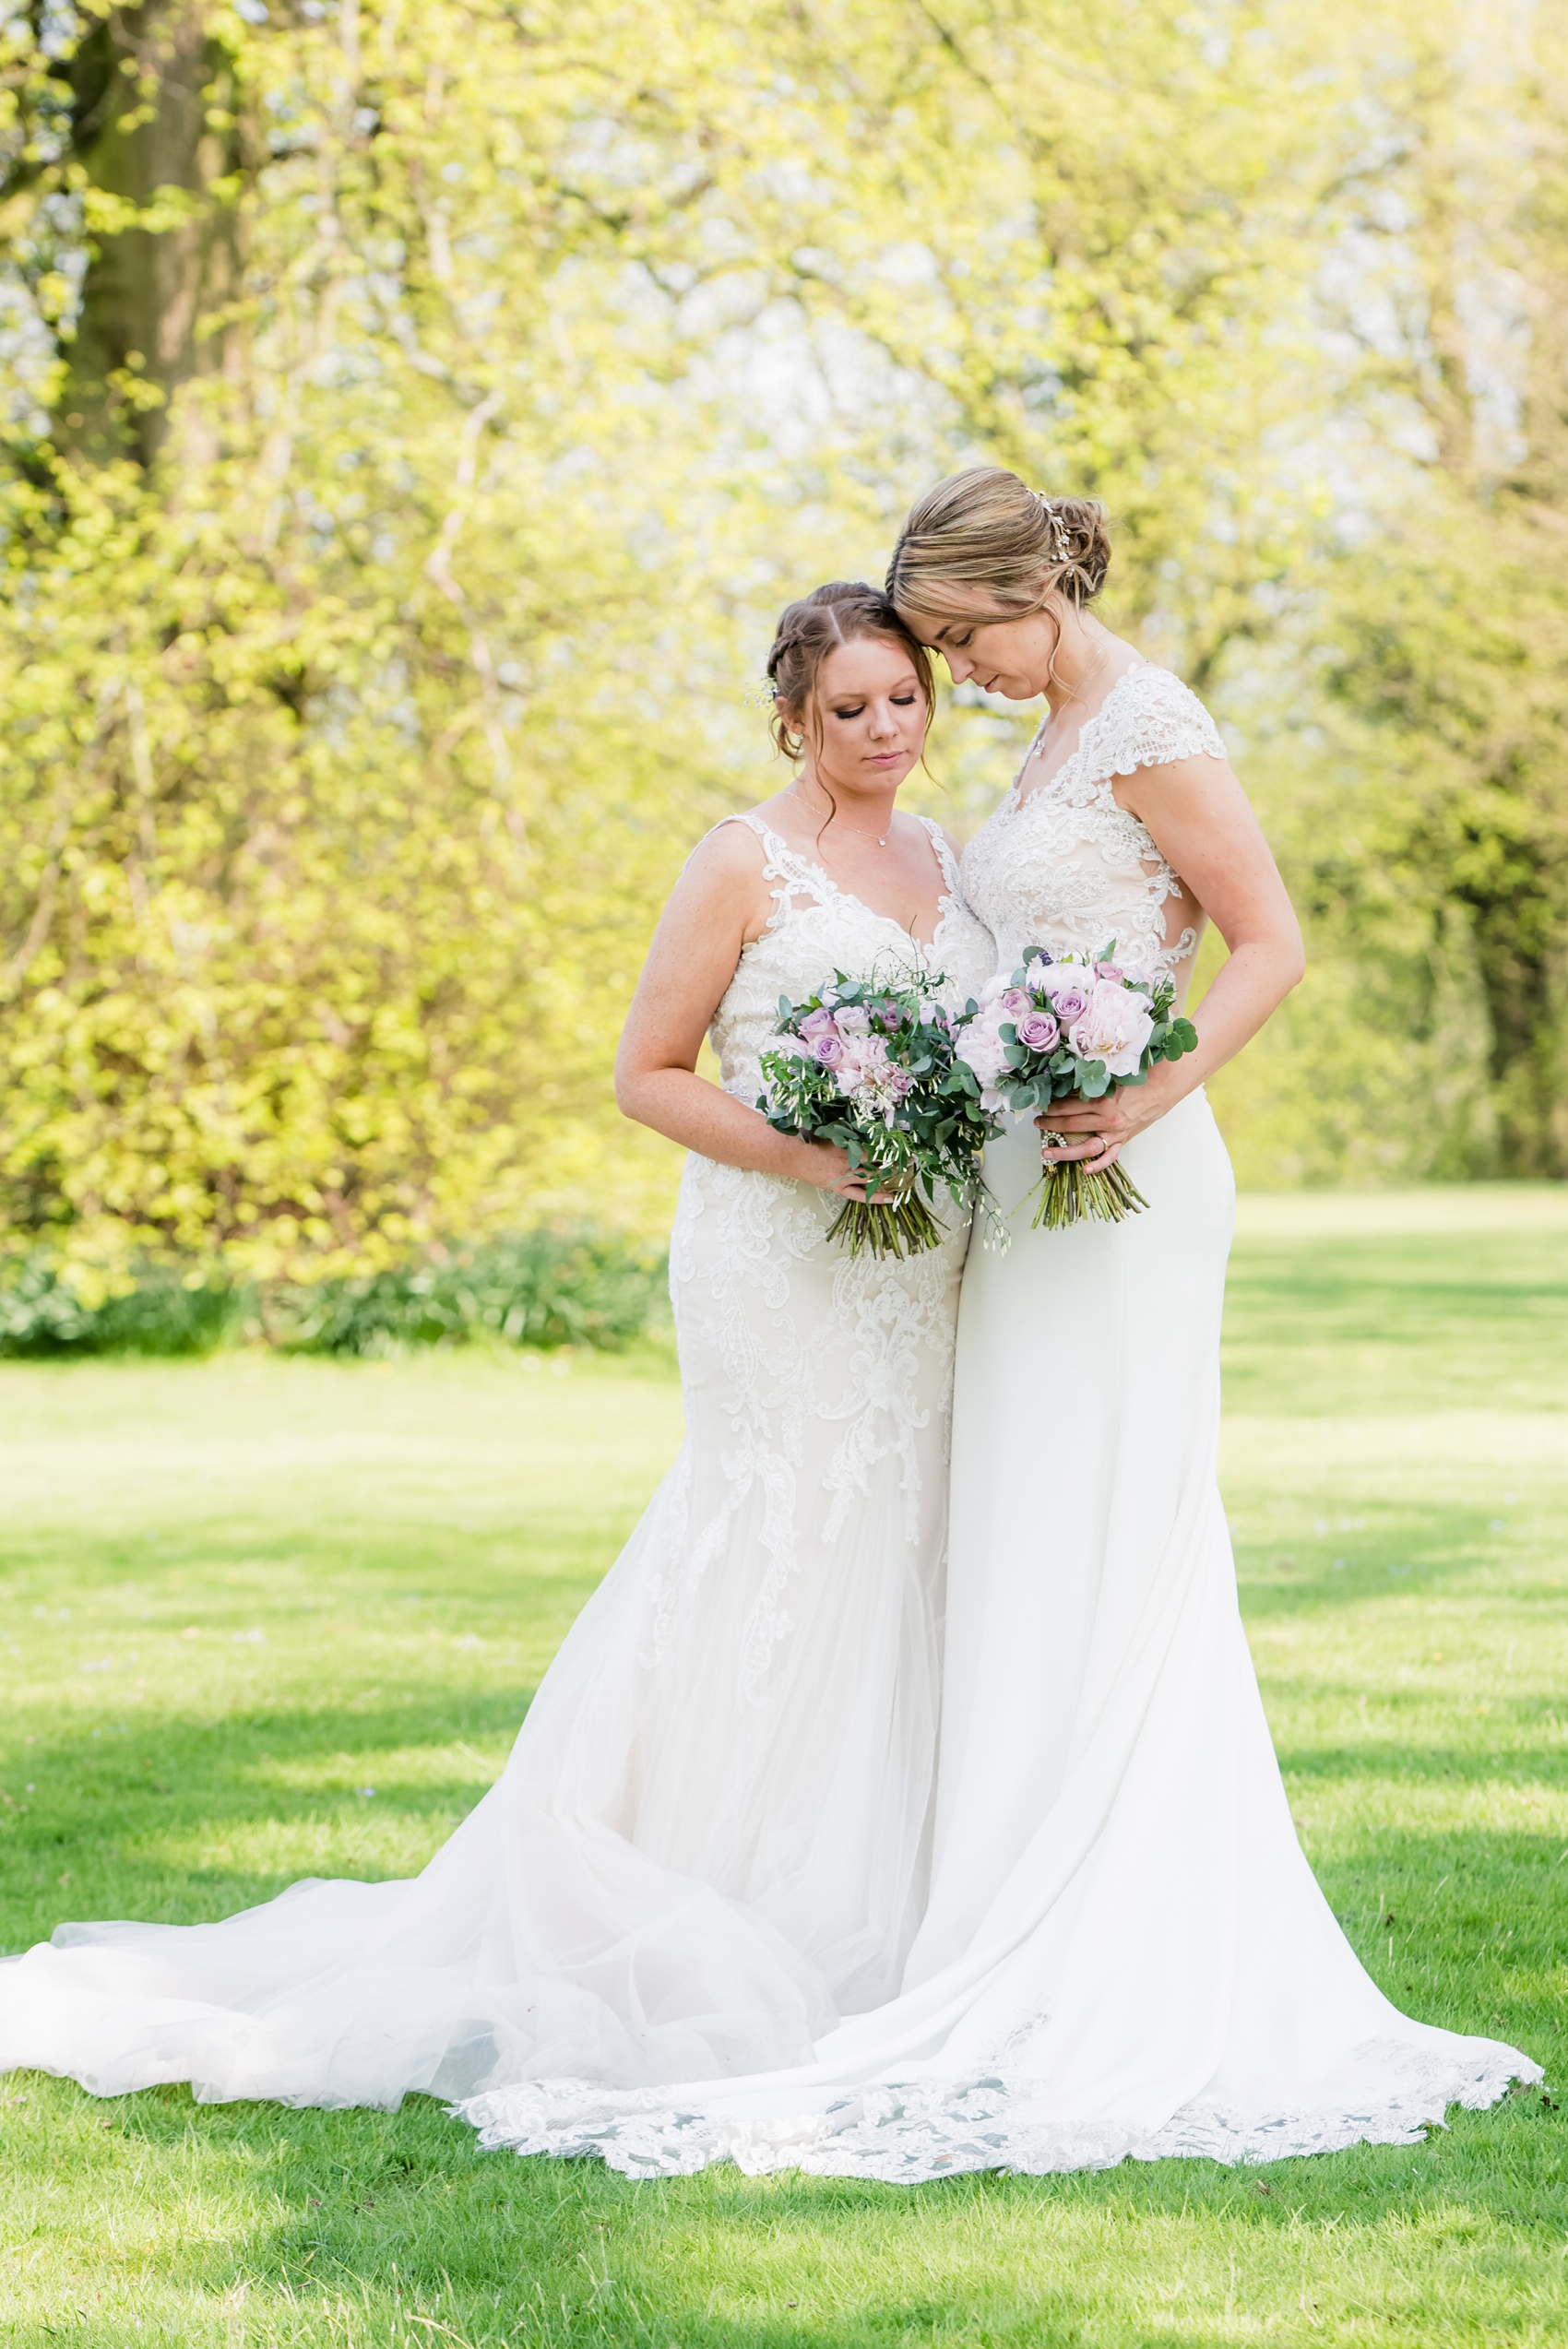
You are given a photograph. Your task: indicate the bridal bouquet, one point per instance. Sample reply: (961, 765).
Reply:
(1074, 1024)
(873, 1069)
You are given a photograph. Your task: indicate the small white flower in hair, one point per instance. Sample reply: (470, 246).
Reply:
(1060, 539)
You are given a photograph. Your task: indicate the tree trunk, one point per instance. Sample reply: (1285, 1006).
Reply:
(154, 109)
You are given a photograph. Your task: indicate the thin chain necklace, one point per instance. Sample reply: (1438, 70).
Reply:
(1077, 692)
(1037, 746)
(881, 839)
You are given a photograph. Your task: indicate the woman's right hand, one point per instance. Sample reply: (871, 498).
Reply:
(828, 1168)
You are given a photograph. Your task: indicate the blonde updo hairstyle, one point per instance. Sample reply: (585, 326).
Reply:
(843, 612)
(983, 546)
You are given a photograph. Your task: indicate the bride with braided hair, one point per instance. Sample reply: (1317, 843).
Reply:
(710, 1841)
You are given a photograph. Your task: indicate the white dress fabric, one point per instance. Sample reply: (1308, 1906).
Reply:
(711, 1839)
(1125, 1951)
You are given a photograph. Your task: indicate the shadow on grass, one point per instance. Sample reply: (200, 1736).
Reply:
(1398, 1554)
(95, 1796)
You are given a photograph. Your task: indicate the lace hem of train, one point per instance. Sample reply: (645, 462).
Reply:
(907, 2134)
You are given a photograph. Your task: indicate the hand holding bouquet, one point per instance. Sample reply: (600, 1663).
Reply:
(1075, 1024)
(873, 1069)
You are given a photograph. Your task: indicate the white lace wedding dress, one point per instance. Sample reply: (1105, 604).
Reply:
(711, 1839)
(1124, 1950)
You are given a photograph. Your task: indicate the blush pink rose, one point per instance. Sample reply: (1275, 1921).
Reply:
(1114, 1029)
(980, 1046)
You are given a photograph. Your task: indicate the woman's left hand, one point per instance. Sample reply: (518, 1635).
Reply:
(1100, 1130)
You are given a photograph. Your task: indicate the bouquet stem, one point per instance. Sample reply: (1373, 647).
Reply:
(1068, 1195)
(888, 1227)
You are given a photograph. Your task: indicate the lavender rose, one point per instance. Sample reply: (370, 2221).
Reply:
(1037, 1031)
(1070, 1002)
(827, 1049)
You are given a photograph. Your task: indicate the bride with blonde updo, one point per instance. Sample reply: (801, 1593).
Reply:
(1124, 1950)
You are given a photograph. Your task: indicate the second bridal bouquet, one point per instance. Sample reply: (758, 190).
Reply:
(1075, 1024)
(873, 1069)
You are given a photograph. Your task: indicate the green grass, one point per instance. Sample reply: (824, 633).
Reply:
(235, 1594)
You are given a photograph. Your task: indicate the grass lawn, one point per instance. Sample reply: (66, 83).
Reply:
(261, 1619)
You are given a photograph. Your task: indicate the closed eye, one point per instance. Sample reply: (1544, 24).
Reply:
(900, 701)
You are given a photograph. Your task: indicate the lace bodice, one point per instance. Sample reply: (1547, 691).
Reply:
(1065, 866)
(816, 927)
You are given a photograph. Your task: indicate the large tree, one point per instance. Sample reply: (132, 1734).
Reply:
(412, 417)
(1447, 642)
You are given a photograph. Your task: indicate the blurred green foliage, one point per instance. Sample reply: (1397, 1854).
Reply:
(537, 1289)
(411, 418)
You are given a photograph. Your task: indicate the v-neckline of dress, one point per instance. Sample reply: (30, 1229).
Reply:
(1018, 801)
(945, 903)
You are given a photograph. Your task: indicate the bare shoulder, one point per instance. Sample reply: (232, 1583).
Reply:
(730, 852)
(723, 885)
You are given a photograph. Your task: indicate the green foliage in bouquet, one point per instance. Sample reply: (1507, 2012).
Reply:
(871, 1068)
(1074, 1027)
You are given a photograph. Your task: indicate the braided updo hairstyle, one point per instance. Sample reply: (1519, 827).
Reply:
(841, 613)
(983, 545)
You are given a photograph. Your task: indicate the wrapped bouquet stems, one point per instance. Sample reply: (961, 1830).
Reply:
(1072, 1027)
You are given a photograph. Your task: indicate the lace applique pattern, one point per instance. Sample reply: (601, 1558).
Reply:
(906, 2132)
(1062, 865)
(822, 1383)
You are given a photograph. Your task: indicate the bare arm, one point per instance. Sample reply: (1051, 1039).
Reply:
(717, 904)
(1202, 823)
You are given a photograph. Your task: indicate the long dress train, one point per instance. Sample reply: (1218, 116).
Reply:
(1124, 1950)
(711, 1839)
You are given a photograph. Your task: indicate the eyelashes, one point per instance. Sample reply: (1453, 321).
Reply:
(900, 701)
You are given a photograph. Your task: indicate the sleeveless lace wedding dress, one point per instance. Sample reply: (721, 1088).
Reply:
(1124, 1950)
(711, 1839)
